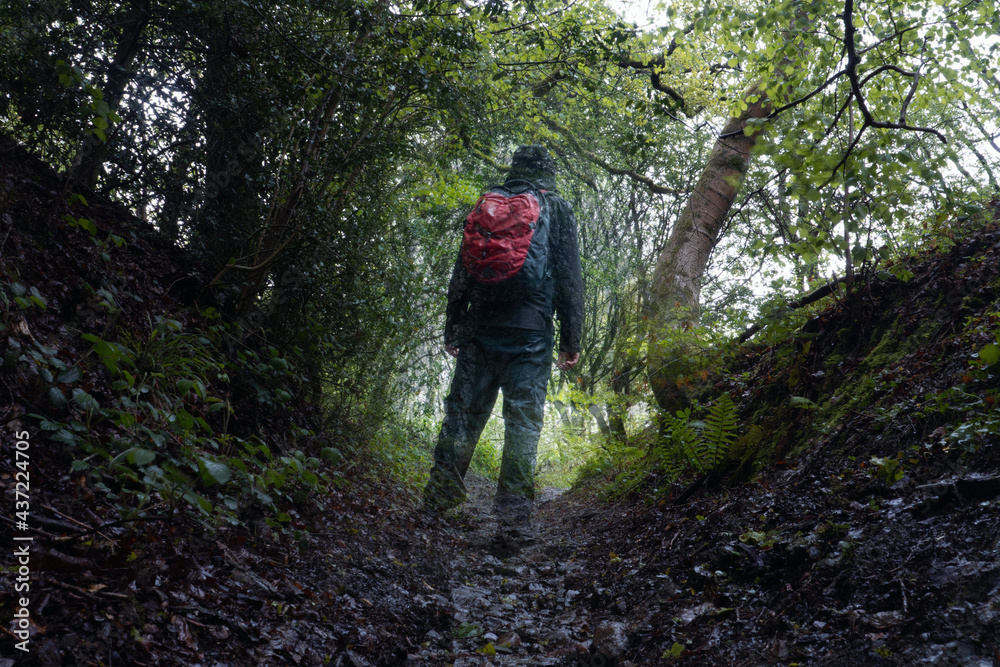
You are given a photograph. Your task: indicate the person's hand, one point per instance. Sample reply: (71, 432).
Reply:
(452, 350)
(567, 360)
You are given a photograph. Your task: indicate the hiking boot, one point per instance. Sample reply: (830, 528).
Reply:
(437, 504)
(443, 492)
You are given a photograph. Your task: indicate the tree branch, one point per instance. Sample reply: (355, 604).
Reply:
(655, 67)
(853, 60)
(589, 182)
(847, 153)
(898, 33)
(797, 102)
(656, 64)
(806, 98)
(652, 185)
(812, 297)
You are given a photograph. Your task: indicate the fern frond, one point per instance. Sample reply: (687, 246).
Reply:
(686, 439)
(722, 419)
(719, 433)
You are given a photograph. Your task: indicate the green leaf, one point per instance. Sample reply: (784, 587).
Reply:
(904, 275)
(184, 419)
(332, 455)
(990, 354)
(214, 472)
(275, 479)
(69, 376)
(85, 400)
(262, 497)
(36, 298)
(57, 398)
(108, 352)
(141, 457)
(675, 651)
(466, 630)
(801, 402)
(198, 501)
(65, 437)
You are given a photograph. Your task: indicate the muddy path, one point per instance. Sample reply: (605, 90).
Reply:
(786, 571)
(516, 602)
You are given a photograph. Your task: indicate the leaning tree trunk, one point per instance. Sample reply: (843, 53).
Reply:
(676, 285)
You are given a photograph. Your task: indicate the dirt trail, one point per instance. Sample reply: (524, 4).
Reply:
(816, 579)
(518, 607)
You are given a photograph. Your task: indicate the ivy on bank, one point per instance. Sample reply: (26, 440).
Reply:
(162, 439)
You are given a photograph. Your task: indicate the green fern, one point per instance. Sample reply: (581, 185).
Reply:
(719, 433)
(684, 438)
(701, 444)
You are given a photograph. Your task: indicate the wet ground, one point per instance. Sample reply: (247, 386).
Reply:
(516, 601)
(797, 568)
(786, 571)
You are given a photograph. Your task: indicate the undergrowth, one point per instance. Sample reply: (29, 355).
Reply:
(402, 449)
(693, 441)
(155, 436)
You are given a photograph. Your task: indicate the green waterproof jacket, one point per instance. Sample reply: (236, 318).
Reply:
(473, 307)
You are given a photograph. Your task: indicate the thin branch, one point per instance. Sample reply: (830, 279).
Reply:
(847, 154)
(909, 98)
(652, 185)
(657, 83)
(807, 97)
(485, 157)
(898, 33)
(656, 65)
(525, 24)
(812, 297)
(853, 60)
(583, 178)
(532, 63)
(797, 102)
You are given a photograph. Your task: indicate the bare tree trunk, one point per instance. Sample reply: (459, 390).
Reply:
(563, 414)
(602, 424)
(676, 284)
(618, 410)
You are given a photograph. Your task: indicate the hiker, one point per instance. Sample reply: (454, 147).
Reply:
(500, 328)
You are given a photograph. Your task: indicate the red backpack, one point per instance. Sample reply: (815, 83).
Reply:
(498, 235)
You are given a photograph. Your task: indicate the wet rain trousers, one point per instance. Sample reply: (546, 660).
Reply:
(519, 363)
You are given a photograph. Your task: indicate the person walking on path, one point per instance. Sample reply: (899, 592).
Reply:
(502, 334)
